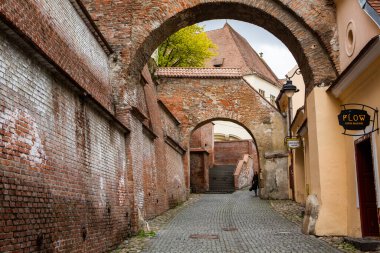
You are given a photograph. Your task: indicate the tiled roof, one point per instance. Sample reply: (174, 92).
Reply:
(375, 5)
(199, 72)
(237, 53)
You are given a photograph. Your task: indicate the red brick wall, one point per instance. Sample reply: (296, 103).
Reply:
(196, 139)
(72, 178)
(177, 190)
(201, 157)
(157, 202)
(199, 181)
(64, 168)
(162, 163)
(196, 101)
(230, 152)
(151, 193)
(176, 187)
(203, 137)
(54, 29)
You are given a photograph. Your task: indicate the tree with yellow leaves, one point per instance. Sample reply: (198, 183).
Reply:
(189, 47)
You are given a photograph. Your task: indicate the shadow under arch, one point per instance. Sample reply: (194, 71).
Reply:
(305, 45)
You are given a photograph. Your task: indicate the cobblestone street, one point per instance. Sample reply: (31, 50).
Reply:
(230, 223)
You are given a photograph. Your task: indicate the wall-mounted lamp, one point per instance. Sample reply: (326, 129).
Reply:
(289, 89)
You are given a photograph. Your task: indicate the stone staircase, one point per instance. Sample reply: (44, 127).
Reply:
(221, 179)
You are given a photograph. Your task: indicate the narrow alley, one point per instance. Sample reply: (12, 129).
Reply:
(235, 222)
(138, 126)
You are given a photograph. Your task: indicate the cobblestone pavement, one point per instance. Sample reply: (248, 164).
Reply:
(136, 244)
(232, 223)
(294, 212)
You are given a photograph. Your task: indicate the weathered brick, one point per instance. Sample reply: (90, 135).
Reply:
(136, 29)
(47, 123)
(71, 174)
(198, 101)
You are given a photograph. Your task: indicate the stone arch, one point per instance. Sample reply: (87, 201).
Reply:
(197, 101)
(207, 154)
(224, 119)
(230, 120)
(305, 28)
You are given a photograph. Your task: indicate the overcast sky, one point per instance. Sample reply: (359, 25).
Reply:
(276, 54)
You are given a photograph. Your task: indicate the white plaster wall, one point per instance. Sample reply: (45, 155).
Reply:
(226, 127)
(258, 83)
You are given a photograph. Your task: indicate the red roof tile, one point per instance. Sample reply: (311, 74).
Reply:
(200, 72)
(237, 53)
(375, 5)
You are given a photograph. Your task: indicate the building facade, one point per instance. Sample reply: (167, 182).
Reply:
(332, 167)
(234, 51)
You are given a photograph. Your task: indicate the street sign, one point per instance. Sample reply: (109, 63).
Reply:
(293, 142)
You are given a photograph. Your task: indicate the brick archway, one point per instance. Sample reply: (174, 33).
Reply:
(249, 131)
(213, 162)
(135, 30)
(195, 101)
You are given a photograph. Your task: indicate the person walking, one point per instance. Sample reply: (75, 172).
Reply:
(255, 183)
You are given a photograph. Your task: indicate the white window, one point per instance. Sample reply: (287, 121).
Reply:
(272, 99)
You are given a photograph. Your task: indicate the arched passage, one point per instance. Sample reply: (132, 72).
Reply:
(139, 29)
(225, 119)
(221, 165)
(196, 102)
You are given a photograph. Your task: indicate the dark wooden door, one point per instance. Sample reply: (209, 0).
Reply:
(366, 187)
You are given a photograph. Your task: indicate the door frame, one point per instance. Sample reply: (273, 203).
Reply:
(358, 141)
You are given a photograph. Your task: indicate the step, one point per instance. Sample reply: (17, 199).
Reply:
(364, 244)
(221, 179)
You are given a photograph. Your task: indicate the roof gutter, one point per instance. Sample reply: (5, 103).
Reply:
(371, 12)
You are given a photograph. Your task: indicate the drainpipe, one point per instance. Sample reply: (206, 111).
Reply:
(291, 168)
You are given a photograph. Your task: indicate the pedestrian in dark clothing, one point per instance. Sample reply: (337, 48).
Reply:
(255, 183)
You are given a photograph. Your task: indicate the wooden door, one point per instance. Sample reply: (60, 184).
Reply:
(366, 187)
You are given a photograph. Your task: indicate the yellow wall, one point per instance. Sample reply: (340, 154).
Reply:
(366, 90)
(363, 90)
(327, 167)
(329, 157)
(298, 99)
(329, 161)
(363, 26)
(299, 160)
(307, 164)
(299, 176)
(332, 155)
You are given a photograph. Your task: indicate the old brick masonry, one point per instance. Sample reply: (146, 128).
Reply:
(86, 149)
(75, 174)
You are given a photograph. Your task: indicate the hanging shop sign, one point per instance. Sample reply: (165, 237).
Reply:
(292, 142)
(357, 117)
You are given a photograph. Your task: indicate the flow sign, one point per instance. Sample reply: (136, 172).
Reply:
(354, 118)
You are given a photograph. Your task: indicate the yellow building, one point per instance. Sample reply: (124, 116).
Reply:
(337, 175)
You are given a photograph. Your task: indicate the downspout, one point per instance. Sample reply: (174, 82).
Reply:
(371, 12)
